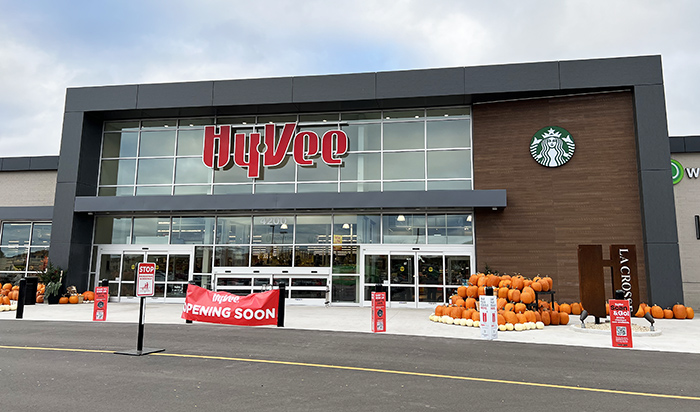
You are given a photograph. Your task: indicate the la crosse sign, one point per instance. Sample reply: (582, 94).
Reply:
(305, 145)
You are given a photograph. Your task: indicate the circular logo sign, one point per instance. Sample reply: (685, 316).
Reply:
(552, 146)
(677, 172)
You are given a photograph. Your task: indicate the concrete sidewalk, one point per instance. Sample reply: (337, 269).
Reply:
(674, 336)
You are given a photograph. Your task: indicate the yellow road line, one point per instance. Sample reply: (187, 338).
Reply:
(389, 371)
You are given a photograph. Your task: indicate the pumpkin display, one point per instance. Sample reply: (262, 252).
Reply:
(470, 303)
(461, 291)
(565, 307)
(563, 318)
(576, 308)
(668, 313)
(40, 299)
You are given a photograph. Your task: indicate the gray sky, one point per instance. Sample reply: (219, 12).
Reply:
(49, 45)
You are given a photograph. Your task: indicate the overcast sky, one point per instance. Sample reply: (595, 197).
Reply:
(47, 46)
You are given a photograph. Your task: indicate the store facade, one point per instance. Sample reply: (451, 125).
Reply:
(338, 185)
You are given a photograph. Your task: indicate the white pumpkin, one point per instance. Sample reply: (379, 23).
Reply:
(476, 323)
(470, 322)
(502, 328)
(519, 326)
(509, 326)
(463, 322)
(449, 320)
(539, 325)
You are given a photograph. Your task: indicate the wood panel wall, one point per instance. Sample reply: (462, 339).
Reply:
(592, 199)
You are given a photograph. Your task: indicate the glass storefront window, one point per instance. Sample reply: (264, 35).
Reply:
(346, 289)
(192, 230)
(446, 134)
(313, 229)
(16, 234)
(232, 256)
(13, 259)
(120, 144)
(151, 230)
(191, 170)
(157, 143)
(118, 172)
(155, 172)
(38, 258)
(403, 136)
(273, 229)
(203, 259)
(189, 142)
(404, 229)
(312, 256)
(376, 269)
(41, 234)
(449, 164)
(458, 269)
(271, 256)
(112, 230)
(361, 166)
(404, 165)
(233, 230)
(345, 259)
(363, 137)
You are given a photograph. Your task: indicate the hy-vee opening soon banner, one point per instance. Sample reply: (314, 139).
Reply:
(257, 309)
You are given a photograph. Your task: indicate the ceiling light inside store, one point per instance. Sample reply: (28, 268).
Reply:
(401, 218)
(283, 226)
(346, 226)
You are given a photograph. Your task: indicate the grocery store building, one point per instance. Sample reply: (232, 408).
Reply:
(338, 184)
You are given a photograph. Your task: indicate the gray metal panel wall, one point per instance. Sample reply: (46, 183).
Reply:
(26, 213)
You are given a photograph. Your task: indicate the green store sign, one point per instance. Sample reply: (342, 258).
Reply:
(552, 146)
(678, 172)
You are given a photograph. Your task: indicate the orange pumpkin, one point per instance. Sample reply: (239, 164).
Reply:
(5, 300)
(470, 303)
(473, 279)
(690, 313)
(679, 311)
(520, 308)
(555, 317)
(565, 307)
(527, 298)
(469, 313)
(563, 318)
(530, 316)
(514, 295)
(455, 312)
(40, 299)
(509, 307)
(63, 300)
(475, 315)
(472, 291)
(536, 286)
(640, 312)
(501, 319)
(510, 317)
(501, 303)
(503, 293)
(521, 317)
(7, 286)
(668, 314)
(461, 291)
(438, 310)
(546, 318)
(459, 302)
(575, 308)
(517, 282)
(657, 312)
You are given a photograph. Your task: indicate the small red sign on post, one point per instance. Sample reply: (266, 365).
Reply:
(99, 308)
(378, 311)
(620, 323)
(146, 279)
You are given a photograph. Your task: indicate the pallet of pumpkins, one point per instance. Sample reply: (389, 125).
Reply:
(516, 305)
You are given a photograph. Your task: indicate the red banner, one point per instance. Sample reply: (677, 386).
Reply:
(256, 309)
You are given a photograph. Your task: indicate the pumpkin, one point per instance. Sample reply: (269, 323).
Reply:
(521, 318)
(5, 300)
(538, 316)
(482, 281)
(509, 307)
(640, 312)
(554, 317)
(461, 291)
(575, 308)
(91, 295)
(481, 291)
(473, 279)
(501, 303)
(530, 316)
(475, 316)
(527, 298)
(527, 283)
(468, 315)
(470, 303)
(565, 307)
(493, 280)
(668, 314)
(546, 318)
(550, 283)
(563, 318)
(472, 291)
(690, 313)
(657, 312)
(459, 302)
(438, 310)
(514, 295)
(7, 286)
(40, 299)
(63, 300)
(517, 282)
(455, 312)
(679, 311)
(536, 286)
(520, 308)
(510, 317)
(501, 319)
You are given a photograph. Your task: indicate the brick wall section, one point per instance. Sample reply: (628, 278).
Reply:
(592, 199)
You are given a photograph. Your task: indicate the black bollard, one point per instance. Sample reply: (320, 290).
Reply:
(191, 282)
(20, 299)
(280, 306)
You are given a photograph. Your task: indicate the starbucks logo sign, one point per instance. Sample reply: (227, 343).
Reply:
(552, 146)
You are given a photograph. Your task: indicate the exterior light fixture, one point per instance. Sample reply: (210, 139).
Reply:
(401, 218)
(648, 317)
(584, 315)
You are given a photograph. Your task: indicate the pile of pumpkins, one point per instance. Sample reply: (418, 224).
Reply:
(516, 304)
(9, 295)
(87, 296)
(678, 311)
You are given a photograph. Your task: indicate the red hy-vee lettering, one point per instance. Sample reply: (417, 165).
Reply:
(246, 151)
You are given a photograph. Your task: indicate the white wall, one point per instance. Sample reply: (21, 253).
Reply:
(27, 188)
(687, 198)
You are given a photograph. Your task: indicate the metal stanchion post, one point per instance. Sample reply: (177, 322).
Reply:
(280, 306)
(191, 282)
(20, 300)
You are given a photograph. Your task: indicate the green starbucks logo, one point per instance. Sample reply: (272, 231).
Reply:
(676, 171)
(552, 146)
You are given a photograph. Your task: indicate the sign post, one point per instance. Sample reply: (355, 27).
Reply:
(99, 307)
(145, 286)
(378, 312)
(489, 315)
(620, 323)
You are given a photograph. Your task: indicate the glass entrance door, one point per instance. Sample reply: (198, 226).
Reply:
(119, 265)
(414, 279)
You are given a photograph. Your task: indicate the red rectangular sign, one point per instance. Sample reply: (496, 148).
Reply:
(256, 309)
(146, 279)
(99, 308)
(620, 323)
(378, 311)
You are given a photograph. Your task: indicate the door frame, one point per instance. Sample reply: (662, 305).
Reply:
(415, 251)
(144, 250)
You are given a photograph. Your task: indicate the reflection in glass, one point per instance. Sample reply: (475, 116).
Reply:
(401, 269)
(155, 171)
(312, 256)
(401, 136)
(458, 269)
(404, 229)
(376, 268)
(189, 142)
(404, 165)
(361, 166)
(120, 144)
(130, 266)
(345, 289)
(345, 259)
(109, 266)
(192, 230)
(41, 234)
(13, 258)
(191, 170)
(449, 164)
(313, 229)
(38, 258)
(402, 294)
(430, 294)
(118, 172)
(233, 230)
(157, 143)
(445, 134)
(16, 234)
(363, 137)
(203, 259)
(232, 256)
(179, 267)
(273, 229)
(161, 262)
(112, 230)
(150, 230)
(271, 256)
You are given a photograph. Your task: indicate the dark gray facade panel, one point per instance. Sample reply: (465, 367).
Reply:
(658, 206)
(276, 90)
(512, 78)
(624, 71)
(78, 266)
(420, 83)
(335, 87)
(664, 279)
(192, 94)
(26, 213)
(305, 201)
(101, 98)
(692, 144)
(89, 159)
(677, 144)
(651, 128)
(69, 158)
(63, 211)
(59, 251)
(43, 163)
(15, 164)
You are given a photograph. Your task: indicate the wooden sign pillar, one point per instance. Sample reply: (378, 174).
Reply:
(591, 276)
